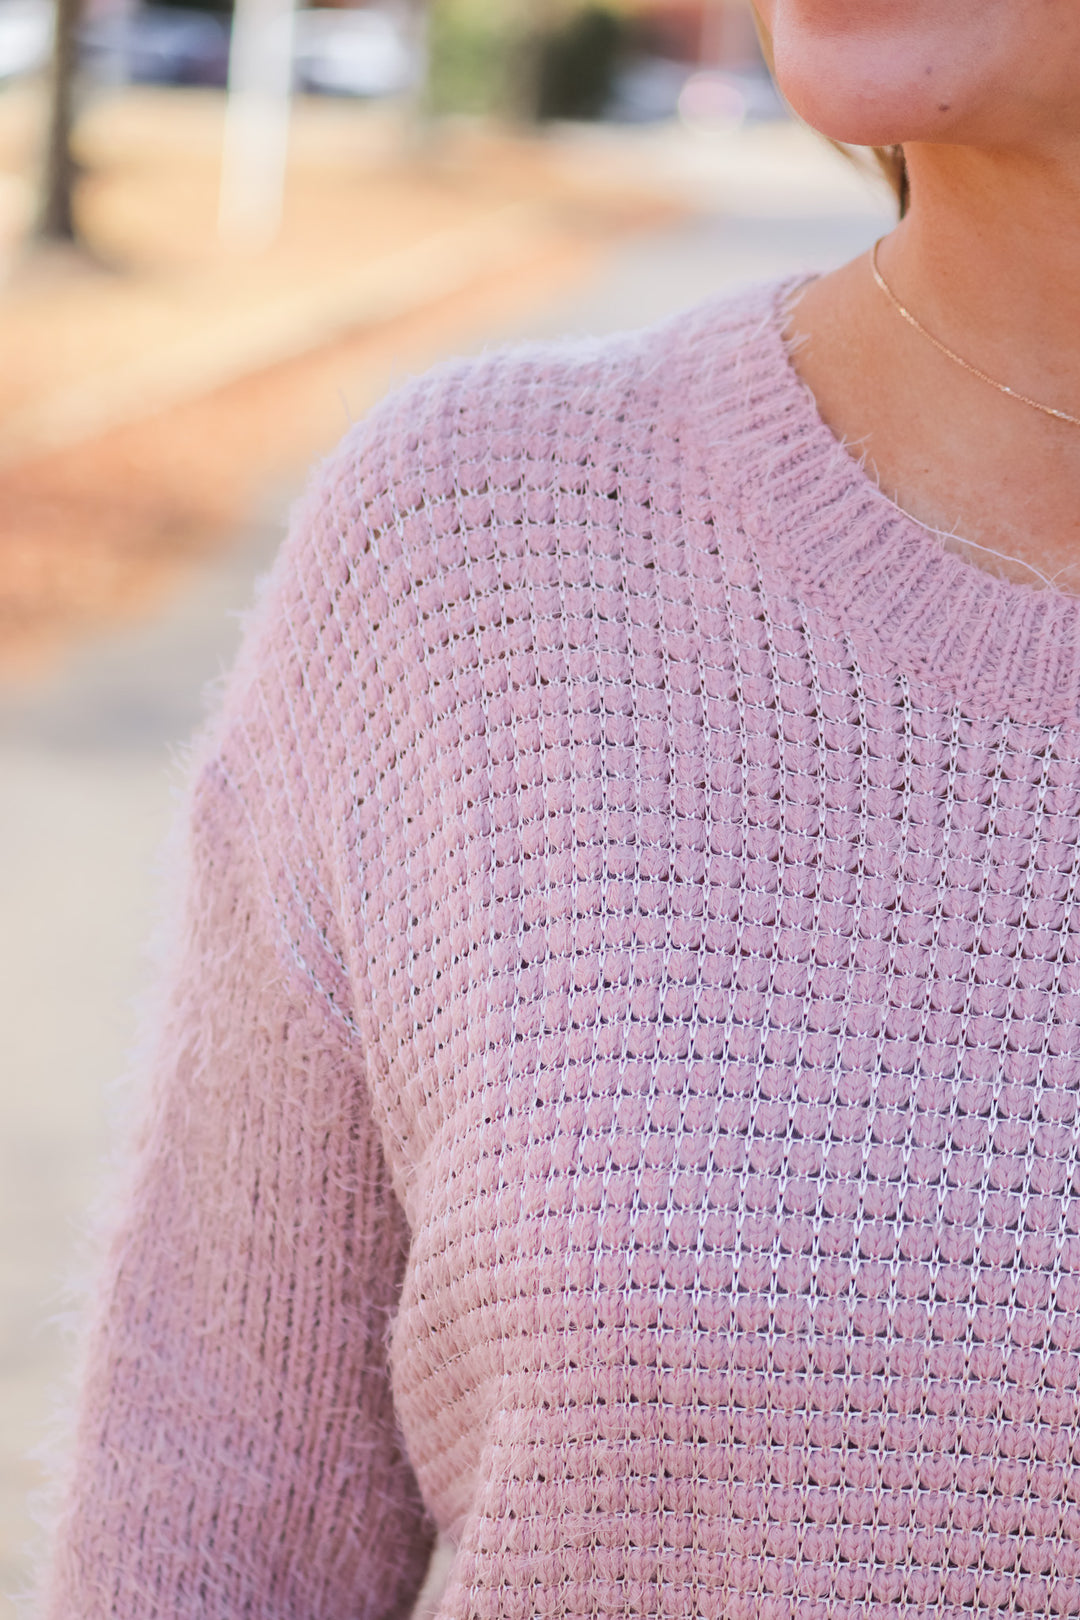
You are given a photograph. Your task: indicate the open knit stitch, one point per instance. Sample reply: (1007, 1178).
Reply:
(616, 1093)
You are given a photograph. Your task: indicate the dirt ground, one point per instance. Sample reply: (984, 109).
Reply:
(157, 389)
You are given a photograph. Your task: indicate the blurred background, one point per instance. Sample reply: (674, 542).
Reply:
(225, 230)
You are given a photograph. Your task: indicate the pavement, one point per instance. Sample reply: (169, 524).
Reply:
(89, 746)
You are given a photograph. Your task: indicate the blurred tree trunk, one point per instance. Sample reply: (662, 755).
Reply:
(56, 219)
(532, 22)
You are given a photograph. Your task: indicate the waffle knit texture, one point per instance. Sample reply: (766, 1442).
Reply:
(615, 1092)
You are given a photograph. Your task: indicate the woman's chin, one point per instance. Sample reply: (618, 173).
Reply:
(868, 119)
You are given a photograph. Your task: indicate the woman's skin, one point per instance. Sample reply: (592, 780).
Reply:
(984, 95)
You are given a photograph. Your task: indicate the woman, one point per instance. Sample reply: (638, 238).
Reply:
(616, 1095)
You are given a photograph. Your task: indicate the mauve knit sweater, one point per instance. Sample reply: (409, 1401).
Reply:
(615, 1092)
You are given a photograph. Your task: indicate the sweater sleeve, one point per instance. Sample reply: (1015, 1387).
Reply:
(237, 1452)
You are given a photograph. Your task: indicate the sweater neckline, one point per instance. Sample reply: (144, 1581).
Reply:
(997, 648)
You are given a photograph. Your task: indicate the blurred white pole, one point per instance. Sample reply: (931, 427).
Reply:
(417, 100)
(256, 121)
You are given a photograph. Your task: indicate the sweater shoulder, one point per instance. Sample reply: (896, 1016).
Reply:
(484, 512)
(509, 436)
(524, 453)
(477, 433)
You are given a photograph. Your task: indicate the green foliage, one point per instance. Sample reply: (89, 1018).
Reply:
(487, 56)
(469, 47)
(578, 63)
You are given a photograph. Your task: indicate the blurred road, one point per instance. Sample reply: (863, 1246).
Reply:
(88, 759)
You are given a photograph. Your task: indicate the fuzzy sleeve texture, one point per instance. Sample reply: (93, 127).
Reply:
(237, 1452)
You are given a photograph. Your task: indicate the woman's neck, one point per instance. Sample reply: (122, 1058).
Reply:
(988, 260)
(990, 251)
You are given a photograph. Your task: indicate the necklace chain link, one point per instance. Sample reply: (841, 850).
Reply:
(1013, 393)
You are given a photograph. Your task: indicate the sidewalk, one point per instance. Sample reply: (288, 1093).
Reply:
(86, 745)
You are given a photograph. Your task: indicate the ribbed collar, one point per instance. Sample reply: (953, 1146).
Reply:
(998, 648)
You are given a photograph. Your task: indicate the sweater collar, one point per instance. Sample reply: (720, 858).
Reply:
(997, 648)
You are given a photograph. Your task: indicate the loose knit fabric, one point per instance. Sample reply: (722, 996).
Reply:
(615, 1097)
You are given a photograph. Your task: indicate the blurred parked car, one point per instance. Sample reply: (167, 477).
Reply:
(646, 90)
(25, 36)
(714, 99)
(353, 53)
(335, 52)
(650, 89)
(158, 45)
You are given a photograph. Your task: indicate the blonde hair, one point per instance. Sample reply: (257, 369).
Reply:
(889, 159)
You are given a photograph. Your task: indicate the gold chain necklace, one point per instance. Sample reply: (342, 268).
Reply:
(1013, 393)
